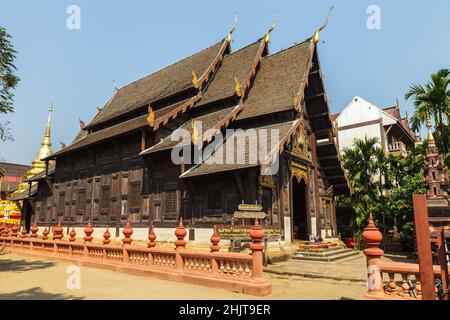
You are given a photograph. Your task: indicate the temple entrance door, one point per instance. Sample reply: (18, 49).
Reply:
(299, 212)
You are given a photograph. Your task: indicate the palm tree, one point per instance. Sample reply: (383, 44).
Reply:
(433, 98)
(365, 164)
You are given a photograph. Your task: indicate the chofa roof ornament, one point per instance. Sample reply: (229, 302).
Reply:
(267, 36)
(316, 37)
(232, 29)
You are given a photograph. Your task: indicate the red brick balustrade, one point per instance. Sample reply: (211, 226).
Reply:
(240, 272)
(106, 236)
(215, 239)
(88, 230)
(34, 230)
(72, 234)
(395, 284)
(151, 237)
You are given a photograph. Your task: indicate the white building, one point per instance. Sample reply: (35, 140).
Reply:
(361, 118)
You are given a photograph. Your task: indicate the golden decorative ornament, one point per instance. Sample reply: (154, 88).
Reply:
(237, 87)
(195, 80)
(151, 116)
(195, 135)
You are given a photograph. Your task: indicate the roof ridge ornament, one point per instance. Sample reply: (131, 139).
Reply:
(316, 37)
(232, 28)
(267, 36)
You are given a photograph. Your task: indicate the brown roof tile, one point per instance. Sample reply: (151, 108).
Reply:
(113, 131)
(279, 73)
(236, 64)
(163, 83)
(243, 150)
(13, 175)
(208, 122)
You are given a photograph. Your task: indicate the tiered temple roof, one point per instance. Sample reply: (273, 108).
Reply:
(224, 89)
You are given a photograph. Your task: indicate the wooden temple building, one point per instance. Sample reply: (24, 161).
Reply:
(119, 166)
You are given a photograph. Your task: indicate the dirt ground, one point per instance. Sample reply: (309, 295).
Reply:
(24, 277)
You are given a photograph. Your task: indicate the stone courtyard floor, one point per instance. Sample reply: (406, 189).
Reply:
(24, 277)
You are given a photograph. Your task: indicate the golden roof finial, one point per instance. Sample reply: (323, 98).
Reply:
(232, 28)
(267, 37)
(316, 37)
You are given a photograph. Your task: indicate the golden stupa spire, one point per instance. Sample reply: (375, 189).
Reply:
(428, 123)
(45, 150)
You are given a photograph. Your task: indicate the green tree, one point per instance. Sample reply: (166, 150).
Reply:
(365, 165)
(8, 79)
(383, 185)
(8, 82)
(433, 98)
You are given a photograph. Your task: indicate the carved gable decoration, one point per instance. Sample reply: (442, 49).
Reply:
(300, 143)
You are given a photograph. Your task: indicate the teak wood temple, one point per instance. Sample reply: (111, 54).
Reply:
(119, 165)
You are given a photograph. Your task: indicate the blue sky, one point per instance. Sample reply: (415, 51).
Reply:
(126, 40)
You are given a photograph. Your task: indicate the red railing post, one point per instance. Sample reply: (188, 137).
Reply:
(34, 230)
(151, 237)
(72, 235)
(180, 244)
(215, 239)
(14, 231)
(424, 247)
(257, 247)
(24, 232)
(58, 231)
(45, 233)
(372, 236)
(88, 230)
(106, 236)
(127, 232)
